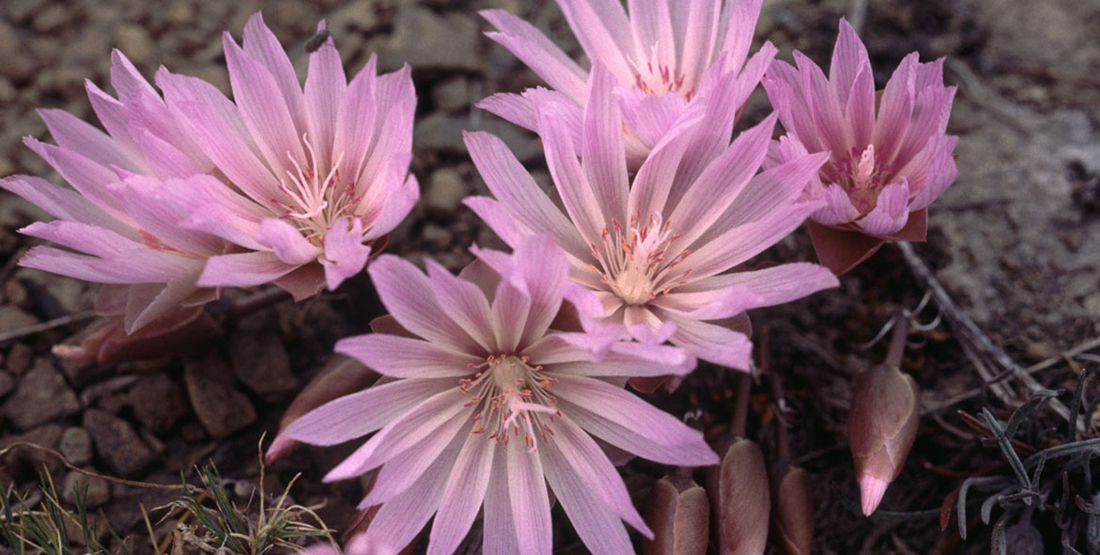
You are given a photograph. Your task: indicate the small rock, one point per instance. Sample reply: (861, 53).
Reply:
(452, 95)
(52, 18)
(76, 445)
(355, 16)
(17, 68)
(259, 357)
(117, 443)
(446, 189)
(26, 459)
(16, 293)
(7, 383)
(41, 396)
(440, 132)
(158, 402)
(180, 14)
(93, 490)
(13, 318)
(19, 358)
(450, 46)
(435, 236)
(7, 94)
(134, 41)
(220, 406)
(64, 81)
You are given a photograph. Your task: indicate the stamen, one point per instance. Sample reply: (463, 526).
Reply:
(509, 403)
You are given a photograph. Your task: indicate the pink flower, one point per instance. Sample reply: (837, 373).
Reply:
(889, 157)
(310, 177)
(658, 251)
(123, 218)
(485, 403)
(659, 55)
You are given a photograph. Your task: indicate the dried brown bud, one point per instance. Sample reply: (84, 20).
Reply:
(678, 513)
(793, 510)
(183, 331)
(742, 500)
(882, 425)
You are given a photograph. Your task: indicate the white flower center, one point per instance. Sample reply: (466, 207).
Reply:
(314, 199)
(861, 176)
(653, 77)
(635, 262)
(512, 399)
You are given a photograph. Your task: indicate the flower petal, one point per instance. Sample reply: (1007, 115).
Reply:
(890, 213)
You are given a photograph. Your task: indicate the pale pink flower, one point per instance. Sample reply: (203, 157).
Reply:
(889, 157)
(311, 176)
(123, 218)
(658, 249)
(485, 403)
(659, 55)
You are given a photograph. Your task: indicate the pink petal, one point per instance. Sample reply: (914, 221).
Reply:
(713, 343)
(772, 189)
(849, 59)
(784, 87)
(356, 118)
(655, 179)
(825, 106)
(243, 270)
(407, 467)
(345, 253)
(530, 503)
(286, 241)
(518, 192)
(514, 108)
(126, 79)
(602, 146)
(600, 529)
(392, 138)
(747, 240)
(464, 302)
(264, 109)
(624, 420)
(941, 172)
(499, 528)
(164, 299)
(576, 192)
(650, 117)
(400, 201)
(838, 207)
(895, 109)
(361, 413)
(326, 87)
(699, 39)
(216, 126)
(408, 296)
(261, 45)
(602, 28)
(86, 176)
(712, 304)
(890, 213)
(775, 285)
(860, 109)
(83, 237)
(404, 357)
(538, 53)
(499, 219)
(398, 521)
(157, 207)
(63, 203)
(737, 29)
(462, 498)
(71, 133)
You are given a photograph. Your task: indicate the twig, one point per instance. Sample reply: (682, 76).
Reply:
(46, 326)
(71, 466)
(857, 13)
(977, 345)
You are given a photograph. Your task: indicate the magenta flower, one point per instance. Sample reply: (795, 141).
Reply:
(659, 55)
(889, 157)
(487, 403)
(658, 251)
(312, 176)
(123, 218)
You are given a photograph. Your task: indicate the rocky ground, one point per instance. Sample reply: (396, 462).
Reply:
(1015, 243)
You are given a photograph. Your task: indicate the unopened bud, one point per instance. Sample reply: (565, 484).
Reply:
(882, 425)
(678, 513)
(179, 332)
(742, 500)
(793, 510)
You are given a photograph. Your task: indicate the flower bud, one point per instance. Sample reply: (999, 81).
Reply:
(678, 513)
(882, 425)
(177, 332)
(742, 500)
(793, 510)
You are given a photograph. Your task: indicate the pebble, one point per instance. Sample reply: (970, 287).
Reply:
(452, 44)
(220, 406)
(93, 490)
(133, 40)
(42, 395)
(446, 189)
(19, 358)
(48, 436)
(260, 360)
(14, 318)
(52, 18)
(6, 383)
(76, 445)
(452, 95)
(117, 443)
(354, 16)
(158, 402)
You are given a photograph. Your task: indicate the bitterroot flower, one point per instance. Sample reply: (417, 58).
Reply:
(889, 156)
(658, 251)
(120, 222)
(484, 405)
(658, 54)
(311, 176)
(882, 426)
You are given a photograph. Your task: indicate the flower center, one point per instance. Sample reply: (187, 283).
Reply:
(860, 177)
(635, 262)
(653, 77)
(314, 199)
(512, 398)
